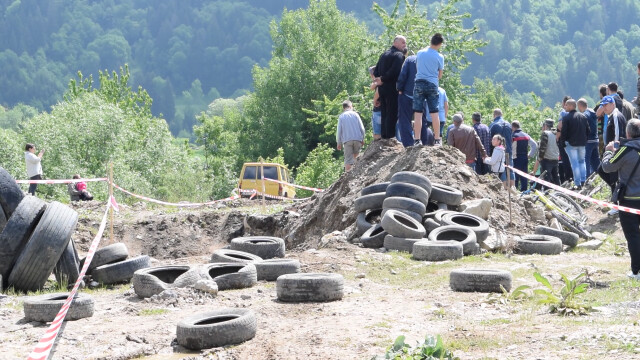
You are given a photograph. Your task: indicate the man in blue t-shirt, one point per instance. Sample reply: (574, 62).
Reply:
(430, 65)
(443, 107)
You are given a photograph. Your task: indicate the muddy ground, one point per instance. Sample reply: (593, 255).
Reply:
(386, 294)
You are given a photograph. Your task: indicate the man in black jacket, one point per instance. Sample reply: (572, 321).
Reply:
(386, 72)
(574, 135)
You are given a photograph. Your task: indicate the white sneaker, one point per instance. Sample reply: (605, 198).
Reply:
(613, 212)
(633, 276)
(437, 142)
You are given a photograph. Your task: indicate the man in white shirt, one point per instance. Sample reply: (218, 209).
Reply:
(34, 168)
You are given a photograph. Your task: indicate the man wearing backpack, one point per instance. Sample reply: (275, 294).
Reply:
(500, 127)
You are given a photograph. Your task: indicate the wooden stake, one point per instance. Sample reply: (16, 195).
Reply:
(509, 187)
(111, 240)
(263, 189)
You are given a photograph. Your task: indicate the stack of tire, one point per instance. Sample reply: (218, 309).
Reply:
(111, 264)
(35, 240)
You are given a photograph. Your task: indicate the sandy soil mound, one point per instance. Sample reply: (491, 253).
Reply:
(332, 210)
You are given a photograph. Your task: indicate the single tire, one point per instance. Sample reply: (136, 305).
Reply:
(266, 247)
(404, 203)
(44, 248)
(107, 255)
(17, 232)
(271, 269)
(399, 244)
(568, 238)
(217, 328)
(414, 215)
(480, 280)
(10, 193)
(375, 188)
(446, 194)
(437, 250)
(233, 256)
(430, 225)
(44, 308)
(120, 272)
(401, 225)
(475, 223)
(414, 178)
(569, 225)
(231, 275)
(409, 191)
(67, 269)
(369, 202)
(365, 220)
(538, 244)
(374, 237)
(464, 235)
(310, 287)
(154, 280)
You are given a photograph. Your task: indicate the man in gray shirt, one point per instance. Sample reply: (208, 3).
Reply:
(34, 168)
(350, 134)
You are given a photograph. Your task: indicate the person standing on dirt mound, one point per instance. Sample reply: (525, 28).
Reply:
(548, 153)
(521, 142)
(485, 137)
(625, 161)
(350, 134)
(465, 139)
(34, 168)
(430, 65)
(500, 127)
(386, 75)
(405, 86)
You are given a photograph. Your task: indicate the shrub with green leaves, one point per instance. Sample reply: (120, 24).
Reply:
(320, 169)
(562, 301)
(431, 349)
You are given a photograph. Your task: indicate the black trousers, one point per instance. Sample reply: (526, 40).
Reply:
(389, 112)
(631, 228)
(32, 187)
(566, 174)
(551, 167)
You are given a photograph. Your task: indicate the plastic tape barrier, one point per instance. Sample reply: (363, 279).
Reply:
(295, 186)
(255, 193)
(233, 197)
(575, 194)
(62, 181)
(42, 350)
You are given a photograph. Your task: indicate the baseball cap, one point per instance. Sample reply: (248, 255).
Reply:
(607, 100)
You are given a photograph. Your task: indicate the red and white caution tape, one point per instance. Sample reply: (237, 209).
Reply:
(42, 350)
(232, 197)
(295, 186)
(61, 181)
(254, 193)
(575, 194)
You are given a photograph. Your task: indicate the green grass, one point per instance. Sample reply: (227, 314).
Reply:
(152, 312)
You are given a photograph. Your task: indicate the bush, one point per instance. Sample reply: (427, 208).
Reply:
(320, 169)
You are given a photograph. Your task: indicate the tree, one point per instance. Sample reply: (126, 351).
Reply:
(320, 169)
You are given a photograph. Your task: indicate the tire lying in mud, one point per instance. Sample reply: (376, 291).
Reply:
(266, 247)
(538, 244)
(374, 237)
(271, 269)
(462, 234)
(17, 232)
(317, 287)
(154, 280)
(67, 269)
(44, 308)
(233, 256)
(446, 194)
(217, 328)
(107, 255)
(121, 271)
(400, 224)
(399, 244)
(39, 256)
(475, 223)
(231, 275)
(568, 238)
(480, 280)
(437, 250)
(10, 193)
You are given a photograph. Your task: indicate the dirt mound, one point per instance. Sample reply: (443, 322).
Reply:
(333, 209)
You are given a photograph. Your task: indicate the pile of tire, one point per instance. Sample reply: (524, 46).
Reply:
(111, 264)
(35, 239)
(452, 235)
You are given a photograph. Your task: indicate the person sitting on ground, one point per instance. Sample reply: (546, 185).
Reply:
(465, 139)
(624, 161)
(497, 159)
(78, 190)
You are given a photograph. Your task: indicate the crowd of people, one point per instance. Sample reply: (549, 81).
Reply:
(580, 142)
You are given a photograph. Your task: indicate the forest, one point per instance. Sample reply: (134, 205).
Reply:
(188, 53)
(158, 89)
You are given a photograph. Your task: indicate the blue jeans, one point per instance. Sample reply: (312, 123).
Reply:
(578, 166)
(591, 158)
(425, 91)
(472, 165)
(376, 122)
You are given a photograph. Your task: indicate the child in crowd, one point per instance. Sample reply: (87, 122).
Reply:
(497, 159)
(81, 187)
